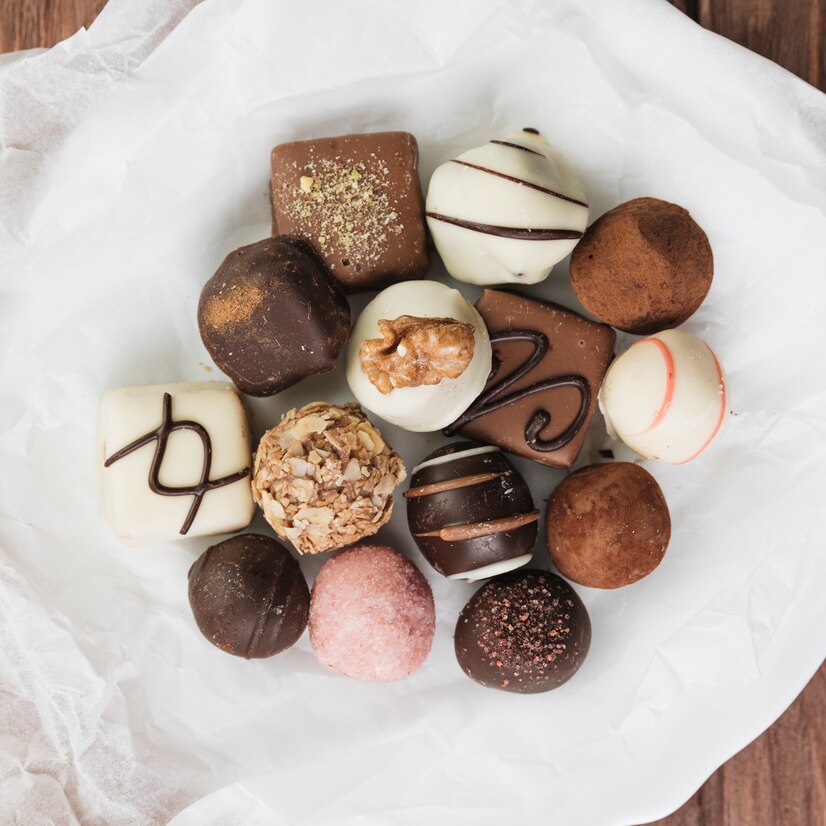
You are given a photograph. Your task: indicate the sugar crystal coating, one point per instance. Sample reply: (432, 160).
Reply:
(372, 614)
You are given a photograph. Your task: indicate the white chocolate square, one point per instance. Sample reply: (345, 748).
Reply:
(203, 413)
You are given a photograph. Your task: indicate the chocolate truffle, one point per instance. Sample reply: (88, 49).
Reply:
(357, 199)
(174, 461)
(548, 365)
(372, 615)
(272, 315)
(643, 267)
(505, 212)
(526, 632)
(419, 355)
(665, 397)
(608, 525)
(249, 596)
(471, 512)
(324, 477)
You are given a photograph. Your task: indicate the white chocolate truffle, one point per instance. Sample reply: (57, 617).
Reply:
(665, 397)
(439, 399)
(506, 212)
(174, 461)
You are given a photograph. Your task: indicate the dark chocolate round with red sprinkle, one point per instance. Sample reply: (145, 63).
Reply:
(525, 632)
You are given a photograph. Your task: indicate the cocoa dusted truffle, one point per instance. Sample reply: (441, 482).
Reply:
(643, 267)
(357, 199)
(525, 632)
(372, 615)
(249, 596)
(471, 512)
(273, 315)
(608, 525)
(324, 477)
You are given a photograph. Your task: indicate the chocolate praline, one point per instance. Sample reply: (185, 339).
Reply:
(248, 596)
(273, 315)
(608, 525)
(471, 512)
(524, 632)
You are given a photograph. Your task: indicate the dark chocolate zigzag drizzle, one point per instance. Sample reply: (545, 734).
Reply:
(488, 401)
(517, 233)
(161, 436)
(522, 182)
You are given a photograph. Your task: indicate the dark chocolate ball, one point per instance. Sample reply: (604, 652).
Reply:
(249, 596)
(471, 512)
(272, 315)
(525, 632)
(608, 525)
(643, 267)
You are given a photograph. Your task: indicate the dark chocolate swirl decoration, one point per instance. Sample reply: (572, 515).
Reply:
(160, 436)
(492, 399)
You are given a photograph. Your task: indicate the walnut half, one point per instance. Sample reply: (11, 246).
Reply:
(416, 351)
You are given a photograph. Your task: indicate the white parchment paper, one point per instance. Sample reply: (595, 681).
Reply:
(134, 157)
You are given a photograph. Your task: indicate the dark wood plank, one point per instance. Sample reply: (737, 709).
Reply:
(25, 24)
(780, 779)
(790, 32)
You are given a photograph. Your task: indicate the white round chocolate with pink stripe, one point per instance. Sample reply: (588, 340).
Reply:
(665, 397)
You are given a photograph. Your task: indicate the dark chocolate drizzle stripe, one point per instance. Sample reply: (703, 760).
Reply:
(452, 484)
(528, 184)
(488, 401)
(517, 233)
(161, 435)
(472, 530)
(519, 146)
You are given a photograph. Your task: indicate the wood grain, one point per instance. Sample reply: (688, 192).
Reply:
(25, 24)
(790, 32)
(780, 779)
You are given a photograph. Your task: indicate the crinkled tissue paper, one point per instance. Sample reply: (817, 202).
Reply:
(134, 158)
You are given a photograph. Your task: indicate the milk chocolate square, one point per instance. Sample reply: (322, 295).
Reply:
(548, 366)
(358, 201)
(174, 461)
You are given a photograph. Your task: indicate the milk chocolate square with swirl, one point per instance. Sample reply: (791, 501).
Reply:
(358, 201)
(548, 365)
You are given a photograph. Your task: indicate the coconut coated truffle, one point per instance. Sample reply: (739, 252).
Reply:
(324, 477)
(372, 615)
(608, 525)
(643, 267)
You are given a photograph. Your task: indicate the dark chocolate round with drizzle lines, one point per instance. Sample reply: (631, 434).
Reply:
(471, 512)
(249, 596)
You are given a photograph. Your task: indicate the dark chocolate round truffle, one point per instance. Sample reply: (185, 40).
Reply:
(526, 632)
(608, 525)
(643, 267)
(471, 512)
(249, 596)
(272, 315)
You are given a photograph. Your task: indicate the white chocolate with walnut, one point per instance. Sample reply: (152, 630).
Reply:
(324, 477)
(419, 354)
(415, 351)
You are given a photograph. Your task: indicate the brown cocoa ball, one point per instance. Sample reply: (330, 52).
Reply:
(608, 525)
(643, 267)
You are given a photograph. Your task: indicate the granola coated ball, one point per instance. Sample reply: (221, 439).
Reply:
(372, 615)
(324, 477)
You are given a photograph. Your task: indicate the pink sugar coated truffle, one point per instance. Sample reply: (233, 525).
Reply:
(371, 614)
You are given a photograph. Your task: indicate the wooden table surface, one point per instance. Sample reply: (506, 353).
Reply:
(780, 779)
